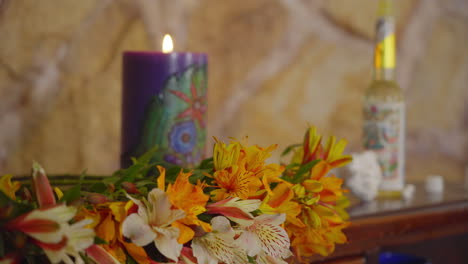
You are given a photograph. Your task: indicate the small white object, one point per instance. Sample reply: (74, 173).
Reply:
(365, 175)
(435, 184)
(408, 192)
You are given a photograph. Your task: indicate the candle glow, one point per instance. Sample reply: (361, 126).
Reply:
(167, 45)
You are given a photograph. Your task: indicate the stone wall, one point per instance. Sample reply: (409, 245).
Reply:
(275, 66)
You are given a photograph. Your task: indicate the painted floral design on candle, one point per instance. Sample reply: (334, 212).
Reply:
(174, 119)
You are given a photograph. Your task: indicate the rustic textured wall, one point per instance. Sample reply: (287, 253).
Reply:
(275, 65)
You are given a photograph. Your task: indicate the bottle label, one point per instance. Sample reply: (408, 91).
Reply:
(384, 133)
(385, 43)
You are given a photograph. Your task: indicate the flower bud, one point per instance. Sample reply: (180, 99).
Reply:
(97, 198)
(130, 187)
(43, 190)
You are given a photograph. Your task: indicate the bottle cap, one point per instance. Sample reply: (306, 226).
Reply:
(435, 184)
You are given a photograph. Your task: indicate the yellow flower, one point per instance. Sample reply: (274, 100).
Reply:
(255, 156)
(281, 202)
(8, 187)
(312, 149)
(271, 174)
(235, 181)
(225, 156)
(333, 153)
(311, 146)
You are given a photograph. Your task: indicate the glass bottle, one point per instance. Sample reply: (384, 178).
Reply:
(384, 107)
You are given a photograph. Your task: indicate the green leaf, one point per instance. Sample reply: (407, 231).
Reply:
(303, 171)
(146, 157)
(111, 179)
(289, 149)
(12, 207)
(99, 241)
(74, 193)
(130, 260)
(198, 174)
(292, 166)
(251, 259)
(71, 194)
(206, 164)
(205, 217)
(98, 187)
(172, 173)
(145, 183)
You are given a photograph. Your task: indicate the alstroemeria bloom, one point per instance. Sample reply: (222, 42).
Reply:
(51, 231)
(282, 202)
(265, 235)
(263, 258)
(235, 181)
(44, 225)
(153, 222)
(78, 237)
(195, 205)
(235, 209)
(218, 246)
(225, 156)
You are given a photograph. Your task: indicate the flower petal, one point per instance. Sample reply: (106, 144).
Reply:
(273, 239)
(201, 252)
(139, 232)
(9, 187)
(161, 213)
(248, 241)
(100, 256)
(162, 177)
(185, 233)
(166, 242)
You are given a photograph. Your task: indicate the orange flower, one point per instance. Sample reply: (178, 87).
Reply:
(309, 241)
(235, 181)
(108, 218)
(191, 199)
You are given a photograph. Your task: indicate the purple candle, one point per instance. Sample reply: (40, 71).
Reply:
(164, 105)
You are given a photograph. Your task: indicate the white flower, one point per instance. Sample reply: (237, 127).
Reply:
(263, 258)
(50, 229)
(153, 222)
(265, 237)
(218, 246)
(79, 238)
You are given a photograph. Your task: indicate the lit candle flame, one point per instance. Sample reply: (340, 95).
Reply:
(167, 45)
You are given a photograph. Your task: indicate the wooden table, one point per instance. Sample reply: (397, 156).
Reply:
(430, 226)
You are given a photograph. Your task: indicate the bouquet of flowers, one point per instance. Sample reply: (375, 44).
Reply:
(233, 208)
